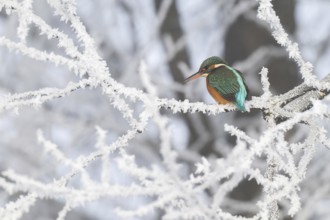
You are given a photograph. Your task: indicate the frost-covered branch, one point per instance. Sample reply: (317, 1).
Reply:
(267, 13)
(38, 97)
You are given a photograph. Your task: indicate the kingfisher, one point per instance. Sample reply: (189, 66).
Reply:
(224, 83)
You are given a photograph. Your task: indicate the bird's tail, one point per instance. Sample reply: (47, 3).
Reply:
(240, 100)
(240, 106)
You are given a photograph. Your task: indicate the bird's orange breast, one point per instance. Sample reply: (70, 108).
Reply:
(216, 95)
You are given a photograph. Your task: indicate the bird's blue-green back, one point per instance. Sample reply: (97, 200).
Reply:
(230, 85)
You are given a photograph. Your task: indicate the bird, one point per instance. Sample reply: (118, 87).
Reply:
(224, 83)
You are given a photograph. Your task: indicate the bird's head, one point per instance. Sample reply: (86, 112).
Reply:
(206, 67)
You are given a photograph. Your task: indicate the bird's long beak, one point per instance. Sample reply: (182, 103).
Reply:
(194, 76)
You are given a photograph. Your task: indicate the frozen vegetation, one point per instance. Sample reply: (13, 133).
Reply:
(84, 140)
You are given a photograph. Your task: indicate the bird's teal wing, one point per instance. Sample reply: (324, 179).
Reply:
(225, 82)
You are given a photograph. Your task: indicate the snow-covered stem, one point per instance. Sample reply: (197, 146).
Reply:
(265, 83)
(267, 13)
(38, 97)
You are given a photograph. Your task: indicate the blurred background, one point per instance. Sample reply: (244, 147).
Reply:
(173, 37)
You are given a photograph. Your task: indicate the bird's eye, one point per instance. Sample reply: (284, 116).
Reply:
(205, 67)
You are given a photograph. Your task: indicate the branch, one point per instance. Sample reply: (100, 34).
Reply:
(267, 13)
(38, 97)
(299, 99)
